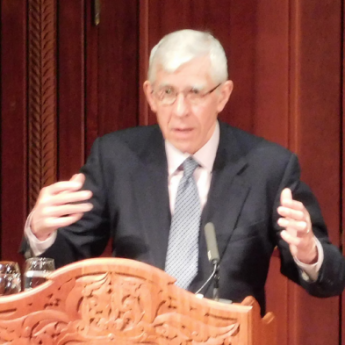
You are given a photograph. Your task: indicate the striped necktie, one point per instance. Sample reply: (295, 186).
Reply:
(183, 249)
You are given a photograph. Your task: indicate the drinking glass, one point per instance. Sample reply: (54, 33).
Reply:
(10, 282)
(36, 271)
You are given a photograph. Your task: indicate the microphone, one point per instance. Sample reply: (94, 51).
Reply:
(213, 257)
(211, 242)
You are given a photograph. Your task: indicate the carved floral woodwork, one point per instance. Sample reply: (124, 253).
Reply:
(119, 301)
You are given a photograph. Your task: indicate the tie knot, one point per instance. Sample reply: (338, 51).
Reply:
(189, 165)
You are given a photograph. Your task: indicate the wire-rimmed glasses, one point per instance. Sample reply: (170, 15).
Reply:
(167, 95)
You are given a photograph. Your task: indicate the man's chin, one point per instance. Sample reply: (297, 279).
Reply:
(184, 146)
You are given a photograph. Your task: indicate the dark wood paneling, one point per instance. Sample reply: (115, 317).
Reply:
(112, 66)
(270, 104)
(112, 69)
(271, 73)
(235, 26)
(342, 298)
(315, 136)
(91, 78)
(144, 53)
(118, 49)
(71, 87)
(315, 85)
(13, 126)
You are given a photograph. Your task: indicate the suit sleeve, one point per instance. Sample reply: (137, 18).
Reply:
(89, 236)
(331, 277)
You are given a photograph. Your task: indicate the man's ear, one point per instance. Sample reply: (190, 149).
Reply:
(225, 93)
(149, 96)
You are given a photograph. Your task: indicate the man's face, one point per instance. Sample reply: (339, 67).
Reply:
(186, 124)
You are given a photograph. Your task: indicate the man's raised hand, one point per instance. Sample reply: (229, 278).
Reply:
(60, 204)
(298, 232)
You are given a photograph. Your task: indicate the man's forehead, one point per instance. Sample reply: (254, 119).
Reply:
(182, 78)
(186, 85)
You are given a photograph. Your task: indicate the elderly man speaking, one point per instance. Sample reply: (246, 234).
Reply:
(152, 189)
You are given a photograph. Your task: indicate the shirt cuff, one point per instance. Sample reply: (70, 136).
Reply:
(311, 272)
(37, 246)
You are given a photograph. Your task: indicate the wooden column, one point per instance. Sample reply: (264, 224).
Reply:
(13, 126)
(71, 64)
(42, 136)
(315, 72)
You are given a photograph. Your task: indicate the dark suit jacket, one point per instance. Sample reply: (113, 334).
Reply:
(127, 173)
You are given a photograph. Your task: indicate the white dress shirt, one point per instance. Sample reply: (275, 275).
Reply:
(202, 174)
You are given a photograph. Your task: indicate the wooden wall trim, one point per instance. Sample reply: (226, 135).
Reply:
(144, 51)
(314, 134)
(342, 205)
(41, 96)
(71, 56)
(91, 78)
(294, 69)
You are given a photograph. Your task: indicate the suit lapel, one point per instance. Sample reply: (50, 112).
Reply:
(151, 179)
(228, 192)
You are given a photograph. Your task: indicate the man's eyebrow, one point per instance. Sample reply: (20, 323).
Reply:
(162, 85)
(197, 87)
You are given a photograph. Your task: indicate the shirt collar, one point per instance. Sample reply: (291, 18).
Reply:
(205, 156)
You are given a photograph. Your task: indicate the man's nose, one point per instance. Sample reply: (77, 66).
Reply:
(180, 105)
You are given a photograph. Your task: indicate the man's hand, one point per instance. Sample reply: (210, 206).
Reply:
(58, 205)
(298, 231)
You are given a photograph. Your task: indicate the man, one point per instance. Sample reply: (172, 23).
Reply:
(134, 188)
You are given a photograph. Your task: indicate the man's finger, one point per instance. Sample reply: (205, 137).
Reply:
(291, 213)
(287, 200)
(78, 178)
(66, 198)
(300, 226)
(286, 195)
(66, 210)
(293, 204)
(290, 239)
(62, 186)
(55, 223)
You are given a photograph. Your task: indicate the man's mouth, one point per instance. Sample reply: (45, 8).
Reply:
(183, 130)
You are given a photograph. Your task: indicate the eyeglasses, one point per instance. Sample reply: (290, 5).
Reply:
(168, 95)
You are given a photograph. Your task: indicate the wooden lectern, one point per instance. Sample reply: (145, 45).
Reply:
(119, 301)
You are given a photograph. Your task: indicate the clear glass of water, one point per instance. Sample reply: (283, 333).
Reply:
(10, 281)
(36, 271)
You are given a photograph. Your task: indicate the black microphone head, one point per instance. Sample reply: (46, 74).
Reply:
(211, 242)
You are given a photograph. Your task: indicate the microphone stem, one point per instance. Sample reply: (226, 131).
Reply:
(216, 282)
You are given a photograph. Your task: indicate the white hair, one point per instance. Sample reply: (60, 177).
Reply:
(180, 47)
